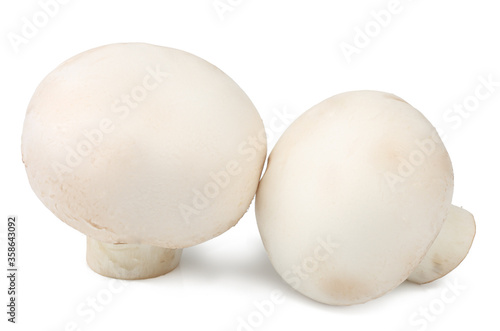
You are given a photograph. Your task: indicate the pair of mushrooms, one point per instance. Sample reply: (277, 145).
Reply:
(148, 150)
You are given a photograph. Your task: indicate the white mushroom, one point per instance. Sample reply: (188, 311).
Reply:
(355, 192)
(449, 249)
(144, 149)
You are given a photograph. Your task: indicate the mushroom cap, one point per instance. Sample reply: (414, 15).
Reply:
(142, 144)
(355, 192)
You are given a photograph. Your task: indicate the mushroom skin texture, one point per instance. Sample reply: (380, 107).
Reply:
(142, 145)
(449, 249)
(355, 192)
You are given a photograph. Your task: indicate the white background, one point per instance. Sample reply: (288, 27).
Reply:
(286, 56)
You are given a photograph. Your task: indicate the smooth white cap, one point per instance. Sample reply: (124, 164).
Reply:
(142, 144)
(355, 192)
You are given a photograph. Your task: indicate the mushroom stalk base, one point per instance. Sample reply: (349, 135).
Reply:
(130, 261)
(449, 249)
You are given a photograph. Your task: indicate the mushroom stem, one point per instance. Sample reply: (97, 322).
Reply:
(449, 249)
(130, 261)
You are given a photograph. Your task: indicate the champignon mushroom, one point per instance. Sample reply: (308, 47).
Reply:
(144, 149)
(355, 192)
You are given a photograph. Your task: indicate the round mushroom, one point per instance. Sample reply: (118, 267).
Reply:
(145, 150)
(355, 192)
